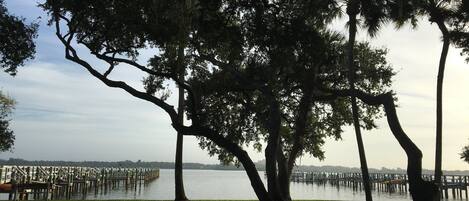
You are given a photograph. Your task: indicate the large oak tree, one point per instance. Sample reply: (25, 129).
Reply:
(257, 71)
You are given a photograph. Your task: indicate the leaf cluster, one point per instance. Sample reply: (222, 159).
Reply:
(7, 136)
(16, 40)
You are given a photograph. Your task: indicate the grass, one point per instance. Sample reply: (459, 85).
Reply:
(190, 200)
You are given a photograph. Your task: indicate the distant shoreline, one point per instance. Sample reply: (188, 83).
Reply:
(199, 166)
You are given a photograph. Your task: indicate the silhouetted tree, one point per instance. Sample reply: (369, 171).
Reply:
(465, 153)
(459, 23)
(354, 8)
(444, 14)
(459, 36)
(7, 137)
(438, 13)
(16, 40)
(256, 71)
(16, 46)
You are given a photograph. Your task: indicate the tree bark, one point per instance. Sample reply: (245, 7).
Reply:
(352, 11)
(271, 150)
(283, 175)
(439, 105)
(180, 194)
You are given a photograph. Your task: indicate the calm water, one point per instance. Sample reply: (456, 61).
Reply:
(215, 184)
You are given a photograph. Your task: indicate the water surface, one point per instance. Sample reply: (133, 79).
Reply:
(222, 184)
(218, 184)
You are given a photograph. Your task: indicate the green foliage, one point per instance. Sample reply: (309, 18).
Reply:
(287, 51)
(7, 136)
(16, 40)
(240, 57)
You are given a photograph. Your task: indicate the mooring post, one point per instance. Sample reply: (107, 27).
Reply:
(1, 175)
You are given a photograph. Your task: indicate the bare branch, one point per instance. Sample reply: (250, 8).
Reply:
(71, 54)
(111, 66)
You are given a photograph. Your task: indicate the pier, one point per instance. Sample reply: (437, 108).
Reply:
(454, 185)
(52, 182)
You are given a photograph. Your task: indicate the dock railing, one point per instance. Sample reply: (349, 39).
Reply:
(57, 182)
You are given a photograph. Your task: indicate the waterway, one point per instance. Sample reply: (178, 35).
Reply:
(218, 184)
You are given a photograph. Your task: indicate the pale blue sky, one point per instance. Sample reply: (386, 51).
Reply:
(63, 113)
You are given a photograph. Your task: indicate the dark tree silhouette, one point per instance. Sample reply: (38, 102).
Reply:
(254, 70)
(16, 40)
(183, 7)
(16, 46)
(420, 189)
(373, 14)
(459, 36)
(7, 137)
(459, 23)
(442, 13)
(439, 15)
(465, 153)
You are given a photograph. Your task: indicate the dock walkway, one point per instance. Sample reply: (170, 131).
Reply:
(384, 182)
(53, 182)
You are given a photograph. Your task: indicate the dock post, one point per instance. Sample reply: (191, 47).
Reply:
(465, 185)
(453, 189)
(446, 187)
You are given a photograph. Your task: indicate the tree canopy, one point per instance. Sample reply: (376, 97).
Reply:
(258, 73)
(16, 40)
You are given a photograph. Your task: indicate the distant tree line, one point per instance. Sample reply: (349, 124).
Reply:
(200, 166)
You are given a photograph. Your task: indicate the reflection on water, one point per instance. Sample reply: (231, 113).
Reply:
(215, 184)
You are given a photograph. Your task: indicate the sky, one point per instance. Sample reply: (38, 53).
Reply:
(63, 113)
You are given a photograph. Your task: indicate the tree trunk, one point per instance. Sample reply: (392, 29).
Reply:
(273, 140)
(419, 189)
(178, 177)
(286, 164)
(439, 105)
(352, 11)
(283, 175)
(178, 180)
(180, 194)
(236, 150)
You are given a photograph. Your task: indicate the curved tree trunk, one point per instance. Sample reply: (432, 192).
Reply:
(439, 105)
(236, 150)
(352, 11)
(420, 190)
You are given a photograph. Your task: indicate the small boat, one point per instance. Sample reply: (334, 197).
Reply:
(6, 187)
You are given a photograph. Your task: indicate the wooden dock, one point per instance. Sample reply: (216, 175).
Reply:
(41, 182)
(384, 182)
